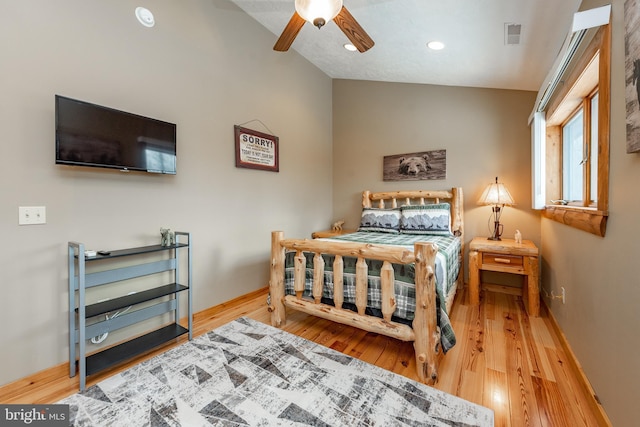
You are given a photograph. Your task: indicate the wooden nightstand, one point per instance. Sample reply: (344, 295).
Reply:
(330, 233)
(506, 256)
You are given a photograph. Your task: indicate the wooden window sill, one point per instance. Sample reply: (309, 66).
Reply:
(586, 219)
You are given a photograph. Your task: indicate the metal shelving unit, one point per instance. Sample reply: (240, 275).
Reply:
(162, 299)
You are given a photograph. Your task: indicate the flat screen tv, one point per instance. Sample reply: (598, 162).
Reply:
(92, 135)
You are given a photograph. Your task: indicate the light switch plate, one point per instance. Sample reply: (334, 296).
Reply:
(30, 215)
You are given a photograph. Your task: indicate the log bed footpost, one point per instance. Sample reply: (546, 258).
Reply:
(425, 321)
(276, 281)
(457, 226)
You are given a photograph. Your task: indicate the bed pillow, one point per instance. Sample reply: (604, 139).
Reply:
(381, 220)
(433, 219)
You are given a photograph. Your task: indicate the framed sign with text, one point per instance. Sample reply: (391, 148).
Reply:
(256, 150)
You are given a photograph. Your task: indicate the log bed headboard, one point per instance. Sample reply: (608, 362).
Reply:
(390, 199)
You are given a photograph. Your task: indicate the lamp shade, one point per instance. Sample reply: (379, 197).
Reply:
(318, 12)
(496, 194)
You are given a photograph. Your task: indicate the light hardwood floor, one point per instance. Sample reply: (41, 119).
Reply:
(504, 360)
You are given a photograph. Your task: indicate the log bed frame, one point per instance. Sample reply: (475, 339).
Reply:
(424, 331)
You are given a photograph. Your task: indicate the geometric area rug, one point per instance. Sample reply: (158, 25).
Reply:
(246, 373)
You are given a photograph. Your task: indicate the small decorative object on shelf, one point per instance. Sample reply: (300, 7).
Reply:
(337, 226)
(89, 254)
(518, 237)
(168, 237)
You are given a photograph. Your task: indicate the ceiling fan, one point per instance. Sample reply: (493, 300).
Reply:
(319, 12)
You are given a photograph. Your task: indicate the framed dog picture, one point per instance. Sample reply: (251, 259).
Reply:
(415, 166)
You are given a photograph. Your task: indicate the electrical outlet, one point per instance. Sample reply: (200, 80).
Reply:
(30, 215)
(563, 295)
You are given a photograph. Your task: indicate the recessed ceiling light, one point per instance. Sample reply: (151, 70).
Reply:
(350, 47)
(435, 45)
(145, 16)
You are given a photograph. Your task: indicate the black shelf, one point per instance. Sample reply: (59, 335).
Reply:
(129, 349)
(135, 251)
(128, 300)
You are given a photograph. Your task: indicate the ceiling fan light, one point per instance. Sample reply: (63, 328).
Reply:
(318, 12)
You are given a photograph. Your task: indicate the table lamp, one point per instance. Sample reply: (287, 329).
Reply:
(497, 196)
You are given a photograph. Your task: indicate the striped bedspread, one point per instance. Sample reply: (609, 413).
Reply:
(447, 269)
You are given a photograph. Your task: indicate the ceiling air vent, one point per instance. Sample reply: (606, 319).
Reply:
(512, 33)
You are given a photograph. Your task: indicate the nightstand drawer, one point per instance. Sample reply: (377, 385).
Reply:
(500, 259)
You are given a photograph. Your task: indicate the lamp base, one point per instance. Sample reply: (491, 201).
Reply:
(497, 231)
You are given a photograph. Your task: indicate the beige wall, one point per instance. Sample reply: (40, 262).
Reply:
(206, 66)
(600, 318)
(484, 132)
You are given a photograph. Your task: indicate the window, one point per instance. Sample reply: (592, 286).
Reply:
(593, 144)
(580, 154)
(572, 149)
(576, 139)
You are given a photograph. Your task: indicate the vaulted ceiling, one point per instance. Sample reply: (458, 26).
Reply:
(474, 32)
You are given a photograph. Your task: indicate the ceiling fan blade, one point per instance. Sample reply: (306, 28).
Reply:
(289, 33)
(350, 27)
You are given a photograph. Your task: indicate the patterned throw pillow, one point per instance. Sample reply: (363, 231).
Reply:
(433, 219)
(381, 220)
